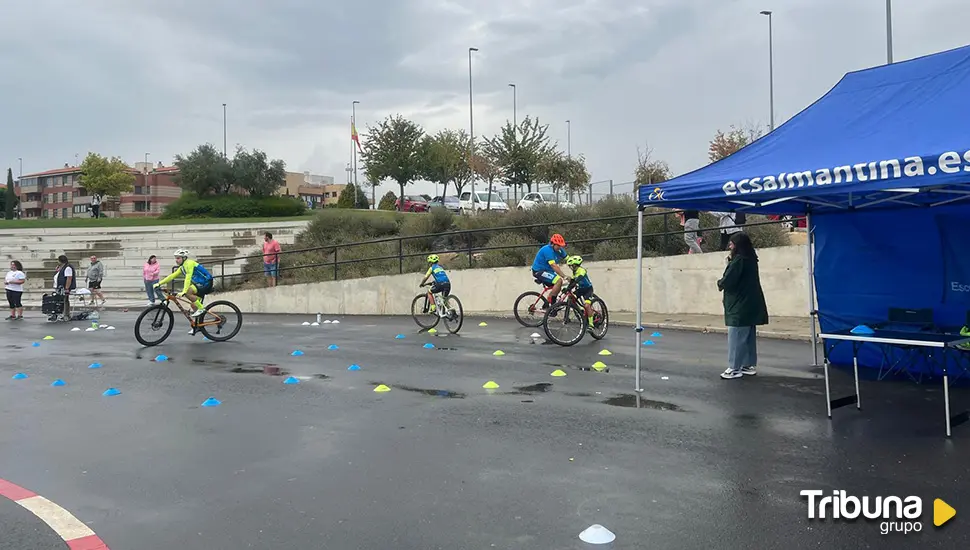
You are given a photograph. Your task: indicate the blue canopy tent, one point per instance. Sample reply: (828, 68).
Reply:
(880, 168)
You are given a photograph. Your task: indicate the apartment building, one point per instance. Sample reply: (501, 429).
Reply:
(58, 193)
(316, 191)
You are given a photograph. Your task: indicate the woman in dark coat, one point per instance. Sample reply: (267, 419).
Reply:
(744, 306)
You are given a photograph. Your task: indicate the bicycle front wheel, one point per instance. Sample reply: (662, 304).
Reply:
(221, 321)
(422, 312)
(159, 326)
(601, 318)
(564, 324)
(529, 308)
(456, 315)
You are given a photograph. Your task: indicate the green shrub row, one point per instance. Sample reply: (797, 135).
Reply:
(190, 205)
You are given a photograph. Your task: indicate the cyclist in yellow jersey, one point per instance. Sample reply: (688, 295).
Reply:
(198, 281)
(441, 285)
(582, 284)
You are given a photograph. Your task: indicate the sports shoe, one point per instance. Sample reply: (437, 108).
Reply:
(729, 374)
(198, 313)
(749, 371)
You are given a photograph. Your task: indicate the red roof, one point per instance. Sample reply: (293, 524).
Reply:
(77, 169)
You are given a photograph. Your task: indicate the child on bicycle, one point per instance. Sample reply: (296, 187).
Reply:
(441, 284)
(584, 287)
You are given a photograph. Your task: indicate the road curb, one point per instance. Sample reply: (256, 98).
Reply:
(75, 533)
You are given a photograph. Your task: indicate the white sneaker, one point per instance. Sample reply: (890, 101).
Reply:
(749, 371)
(729, 374)
(198, 313)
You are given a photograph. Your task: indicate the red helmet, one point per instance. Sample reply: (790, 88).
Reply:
(557, 240)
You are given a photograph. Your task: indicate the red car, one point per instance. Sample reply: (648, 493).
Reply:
(413, 203)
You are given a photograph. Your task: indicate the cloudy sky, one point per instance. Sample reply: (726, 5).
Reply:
(126, 77)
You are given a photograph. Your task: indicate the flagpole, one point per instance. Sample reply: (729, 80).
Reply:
(353, 122)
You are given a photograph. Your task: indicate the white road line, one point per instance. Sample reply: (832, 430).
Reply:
(59, 519)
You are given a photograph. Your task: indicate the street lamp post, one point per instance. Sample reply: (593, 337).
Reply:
(889, 32)
(471, 123)
(771, 73)
(569, 151)
(353, 121)
(515, 134)
(21, 161)
(225, 141)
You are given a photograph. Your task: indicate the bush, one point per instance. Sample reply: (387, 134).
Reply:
(387, 201)
(510, 256)
(190, 205)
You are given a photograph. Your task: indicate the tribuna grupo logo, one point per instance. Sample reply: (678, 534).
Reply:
(895, 514)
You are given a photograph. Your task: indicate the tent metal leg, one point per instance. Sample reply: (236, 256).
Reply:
(638, 330)
(810, 266)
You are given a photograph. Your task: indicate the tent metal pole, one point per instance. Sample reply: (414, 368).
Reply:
(638, 330)
(810, 267)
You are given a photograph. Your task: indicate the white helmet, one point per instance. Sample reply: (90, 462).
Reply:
(181, 252)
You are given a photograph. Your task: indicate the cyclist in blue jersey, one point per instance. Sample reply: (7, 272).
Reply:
(441, 285)
(546, 268)
(198, 281)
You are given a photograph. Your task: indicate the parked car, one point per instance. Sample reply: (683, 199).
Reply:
(451, 204)
(413, 203)
(531, 200)
(483, 201)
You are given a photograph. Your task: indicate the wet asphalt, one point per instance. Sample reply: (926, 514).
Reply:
(439, 462)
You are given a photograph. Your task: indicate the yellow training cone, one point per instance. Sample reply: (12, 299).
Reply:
(599, 365)
(490, 385)
(48, 337)
(483, 324)
(558, 372)
(382, 388)
(432, 331)
(606, 352)
(499, 353)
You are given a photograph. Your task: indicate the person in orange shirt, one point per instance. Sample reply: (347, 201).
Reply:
(271, 258)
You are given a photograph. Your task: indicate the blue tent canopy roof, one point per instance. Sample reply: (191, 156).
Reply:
(889, 136)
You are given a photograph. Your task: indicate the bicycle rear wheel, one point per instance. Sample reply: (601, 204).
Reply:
(421, 312)
(529, 308)
(564, 323)
(223, 314)
(456, 315)
(601, 318)
(159, 327)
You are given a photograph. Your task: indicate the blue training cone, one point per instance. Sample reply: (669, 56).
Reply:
(57, 382)
(296, 353)
(648, 343)
(353, 367)
(211, 402)
(94, 366)
(161, 358)
(291, 380)
(656, 335)
(429, 345)
(19, 376)
(36, 345)
(400, 337)
(862, 329)
(333, 346)
(110, 391)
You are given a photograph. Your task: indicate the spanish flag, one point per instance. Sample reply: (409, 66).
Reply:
(354, 137)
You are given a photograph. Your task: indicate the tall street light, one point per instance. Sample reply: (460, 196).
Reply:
(353, 121)
(889, 32)
(225, 142)
(21, 160)
(471, 123)
(515, 134)
(771, 73)
(569, 139)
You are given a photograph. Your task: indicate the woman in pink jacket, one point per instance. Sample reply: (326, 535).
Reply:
(150, 274)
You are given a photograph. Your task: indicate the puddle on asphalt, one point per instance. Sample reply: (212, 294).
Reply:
(579, 394)
(634, 401)
(535, 388)
(575, 367)
(447, 349)
(433, 392)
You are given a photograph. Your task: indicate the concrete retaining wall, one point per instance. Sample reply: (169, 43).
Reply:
(684, 284)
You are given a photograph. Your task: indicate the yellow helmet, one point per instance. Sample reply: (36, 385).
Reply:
(574, 260)
(433, 259)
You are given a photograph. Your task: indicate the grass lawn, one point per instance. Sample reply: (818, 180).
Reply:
(132, 222)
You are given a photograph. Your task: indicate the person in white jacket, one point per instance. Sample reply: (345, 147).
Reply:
(728, 223)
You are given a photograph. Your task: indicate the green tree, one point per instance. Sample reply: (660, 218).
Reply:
(727, 143)
(649, 171)
(446, 159)
(393, 150)
(204, 171)
(9, 197)
(253, 174)
(387, 201)
(108, 177)
(352, 196)
(518, 152)
(564, 173)
(488, 170)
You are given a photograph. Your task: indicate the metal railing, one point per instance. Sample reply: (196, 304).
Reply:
(672, 241)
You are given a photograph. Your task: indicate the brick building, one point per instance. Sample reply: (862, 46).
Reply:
(58, 193)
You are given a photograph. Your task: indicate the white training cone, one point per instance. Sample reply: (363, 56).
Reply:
(327, 321)
(90, 329)
(75, 329)
(597, 534)
(306, 323)
(314, 324)
(336, 322)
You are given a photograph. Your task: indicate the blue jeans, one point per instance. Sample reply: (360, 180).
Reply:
(742, 348)
(150, 290)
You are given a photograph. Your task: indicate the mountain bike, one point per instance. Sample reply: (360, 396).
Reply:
(530, 306)
(567, 316)
(213, 323)
(429, 309)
